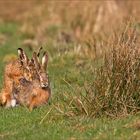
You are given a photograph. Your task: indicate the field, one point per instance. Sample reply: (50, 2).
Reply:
(94, 70)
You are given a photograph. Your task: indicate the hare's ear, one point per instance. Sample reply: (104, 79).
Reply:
(23, 57)
(38, 52)
(45, 61)
(36, 62)
(20, 53)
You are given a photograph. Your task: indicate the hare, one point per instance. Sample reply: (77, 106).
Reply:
(36, 92)
(14, 70)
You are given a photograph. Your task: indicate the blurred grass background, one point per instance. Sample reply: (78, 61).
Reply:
(94, 70)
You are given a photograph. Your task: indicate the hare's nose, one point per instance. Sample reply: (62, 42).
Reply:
(44, 85)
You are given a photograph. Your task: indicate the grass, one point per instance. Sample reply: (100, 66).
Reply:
(19, 123)
(70, 71)
(116, 87)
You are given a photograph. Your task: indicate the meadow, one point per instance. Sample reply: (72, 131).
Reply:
(94, 70)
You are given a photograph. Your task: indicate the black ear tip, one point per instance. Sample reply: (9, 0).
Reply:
(19, 49)
(38, 53)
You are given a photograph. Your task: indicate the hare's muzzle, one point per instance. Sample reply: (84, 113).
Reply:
(44, 85)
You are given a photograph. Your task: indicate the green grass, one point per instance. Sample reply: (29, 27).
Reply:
(19, 123)
(68, 73)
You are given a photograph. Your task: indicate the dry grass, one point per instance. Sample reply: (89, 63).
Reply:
(116, 88)
(79, 19)
(115, 92)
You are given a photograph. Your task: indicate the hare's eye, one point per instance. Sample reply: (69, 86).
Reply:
(22, 80)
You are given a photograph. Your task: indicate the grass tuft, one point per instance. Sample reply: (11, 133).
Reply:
(115, 92)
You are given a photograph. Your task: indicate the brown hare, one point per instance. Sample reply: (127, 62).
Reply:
(13, 72)
(36, 92)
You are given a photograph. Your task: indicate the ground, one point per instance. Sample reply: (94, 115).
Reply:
(67, 70)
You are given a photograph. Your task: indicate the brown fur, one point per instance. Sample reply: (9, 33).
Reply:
(26, 81)
(36, 92)
(13, 71)
(30, 94)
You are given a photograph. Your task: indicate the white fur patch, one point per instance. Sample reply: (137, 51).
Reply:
(13, 102)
